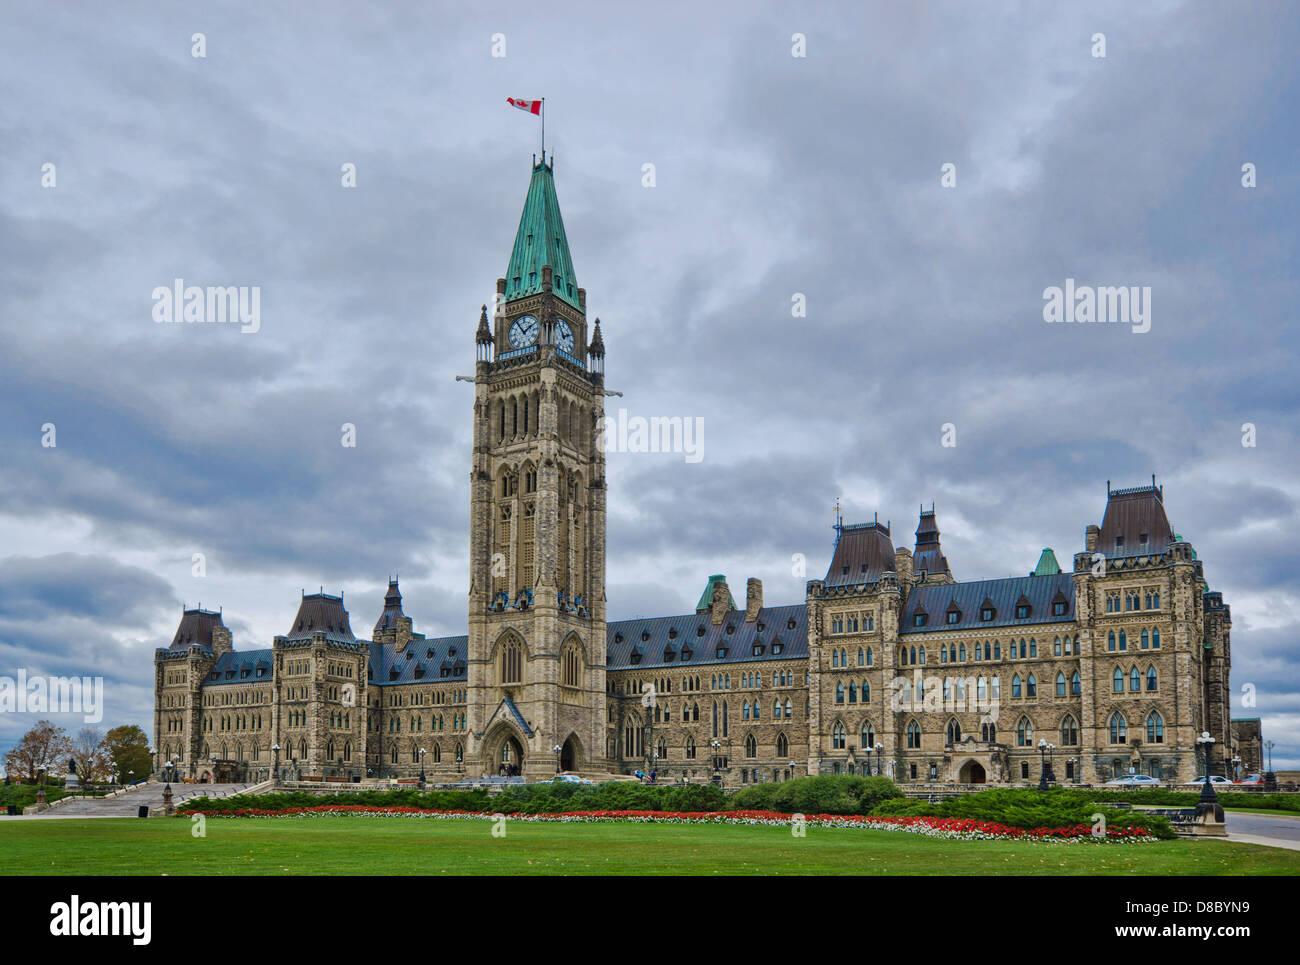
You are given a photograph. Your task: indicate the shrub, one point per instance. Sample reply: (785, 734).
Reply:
(1028, 808)
(827, 794)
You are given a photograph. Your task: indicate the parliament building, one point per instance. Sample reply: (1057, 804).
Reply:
(1113, 665)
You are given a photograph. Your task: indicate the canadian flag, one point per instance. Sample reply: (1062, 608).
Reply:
(532, 107)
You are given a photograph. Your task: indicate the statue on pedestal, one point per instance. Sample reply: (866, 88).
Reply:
(71, 783)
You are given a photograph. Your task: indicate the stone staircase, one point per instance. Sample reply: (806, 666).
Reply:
(127, 803)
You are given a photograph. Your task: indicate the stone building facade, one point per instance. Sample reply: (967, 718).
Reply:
(890, 664)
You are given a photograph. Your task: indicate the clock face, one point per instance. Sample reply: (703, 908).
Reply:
(564, 336)
(523, 332)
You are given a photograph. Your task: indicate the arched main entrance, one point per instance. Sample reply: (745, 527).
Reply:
(972, 772)
(503, 751)
(512, 754)
(571, 754)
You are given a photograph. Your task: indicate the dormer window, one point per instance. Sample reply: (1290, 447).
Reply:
(844, 571)
(645, 635)
(987, 614)
(1142, 538)
(1059, 608)
(954, 616)
(1119, 542)
(722, 653)
(1022, 611)
(699, 631)
(919, 619)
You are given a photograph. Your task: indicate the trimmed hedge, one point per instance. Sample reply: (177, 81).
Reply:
(1028, 808)
(24, 795)
(517, 799)
(1229, 799)
(828, 794)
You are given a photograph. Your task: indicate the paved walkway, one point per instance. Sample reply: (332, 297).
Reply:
(1275, 832)
(126, 805)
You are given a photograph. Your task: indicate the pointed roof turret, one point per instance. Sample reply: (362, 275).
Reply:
(541, 242)
(392, 608)
(706, 598)
(484, 333)
(1047, 565)
(928, 556)
(597, 346)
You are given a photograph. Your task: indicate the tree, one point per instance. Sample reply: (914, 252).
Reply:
(91, 754)
(41, 748)
(128, 751)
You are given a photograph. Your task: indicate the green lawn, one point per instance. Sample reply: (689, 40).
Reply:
(356, 845)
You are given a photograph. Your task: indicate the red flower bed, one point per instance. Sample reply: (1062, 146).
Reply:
(952, 828)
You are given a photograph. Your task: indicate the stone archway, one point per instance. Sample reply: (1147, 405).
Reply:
(504, 752)
(571, 754)
(972, 772)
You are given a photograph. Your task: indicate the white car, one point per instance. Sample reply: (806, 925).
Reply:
(1215, 780)
(571, 779)
(1136, 780)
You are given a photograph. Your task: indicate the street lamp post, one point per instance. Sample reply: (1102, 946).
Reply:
(1208, 797)
(276, 749)
(422, 768)
(558, 749)
(1236, 768)
(791, 777)
(1270, 779)
(880, 750)
(1042, 759)
(717, 751)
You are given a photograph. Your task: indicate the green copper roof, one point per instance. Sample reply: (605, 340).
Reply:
(1047, 565)
(706, 598)
(540, 241)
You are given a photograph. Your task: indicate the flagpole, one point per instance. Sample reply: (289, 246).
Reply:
(543, 130)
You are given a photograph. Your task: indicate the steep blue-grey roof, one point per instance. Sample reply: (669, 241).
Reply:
(970, 598)
(654, 638)
(240, 667)
(1130, 515)
(863, 551)
(421, 661)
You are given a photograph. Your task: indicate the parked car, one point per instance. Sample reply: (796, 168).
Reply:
(571, 779)
(1215, 779)
(1252, 779)
(1134, 780)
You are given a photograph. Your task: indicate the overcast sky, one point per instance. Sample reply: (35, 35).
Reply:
(774, 175)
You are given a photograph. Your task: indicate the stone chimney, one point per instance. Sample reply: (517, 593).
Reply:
(721, 605)
(221, 640)
(1090, 537)
(903, 565)
(753, 599)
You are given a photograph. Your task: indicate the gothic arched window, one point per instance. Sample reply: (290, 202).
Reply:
(511, 662)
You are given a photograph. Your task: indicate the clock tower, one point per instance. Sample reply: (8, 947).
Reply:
(536, 665)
